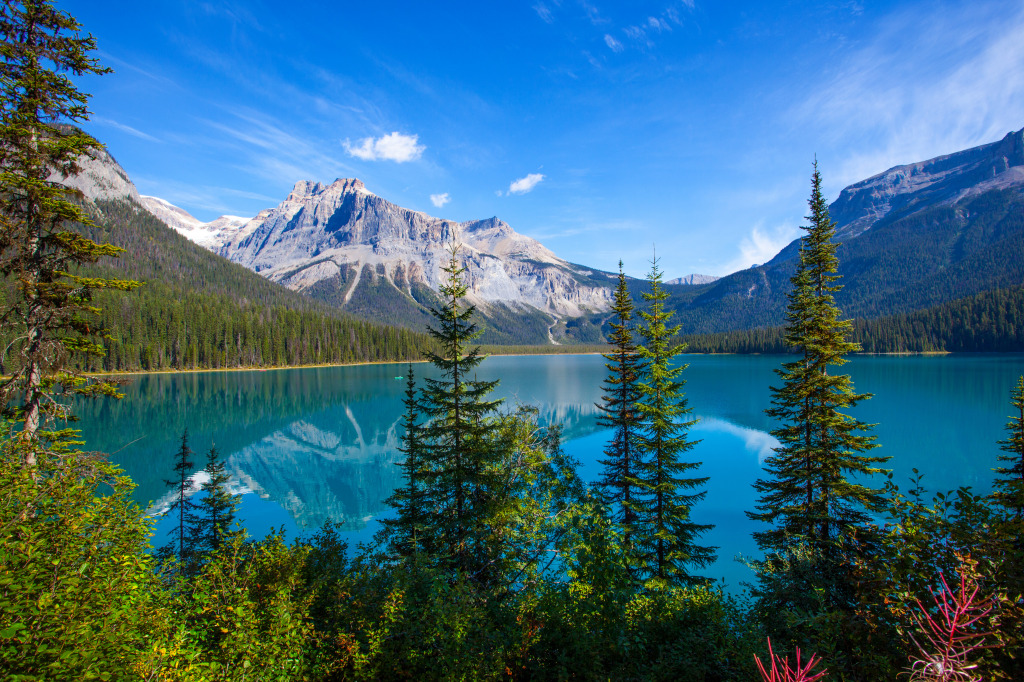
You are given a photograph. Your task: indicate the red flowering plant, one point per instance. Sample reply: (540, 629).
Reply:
(781, 671)
(950, 632)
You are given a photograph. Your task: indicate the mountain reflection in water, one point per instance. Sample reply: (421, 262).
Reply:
(322, 443)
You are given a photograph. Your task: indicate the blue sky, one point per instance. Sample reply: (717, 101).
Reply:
(602, 129)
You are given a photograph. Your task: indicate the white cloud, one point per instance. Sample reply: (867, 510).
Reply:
(392, 147)
(440, 200)
(524, 185)
(760, 247)
(612, 43)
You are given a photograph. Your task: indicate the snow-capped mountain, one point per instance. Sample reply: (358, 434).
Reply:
(212, 235)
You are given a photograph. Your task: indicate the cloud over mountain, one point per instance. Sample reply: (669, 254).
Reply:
(392, 147)
(525, 184)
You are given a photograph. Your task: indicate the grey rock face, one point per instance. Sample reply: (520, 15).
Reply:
(942, 180)
(101, 178)
(319, 230)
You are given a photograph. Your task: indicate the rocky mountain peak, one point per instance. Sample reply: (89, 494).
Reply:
(320, 235)
(304, 190)
(942, 180)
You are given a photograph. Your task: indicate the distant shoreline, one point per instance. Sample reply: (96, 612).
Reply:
(488, 354)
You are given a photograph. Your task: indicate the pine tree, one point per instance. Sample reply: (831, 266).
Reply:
(1009, 487)
(457, 434)
(216, 511)
(187, 534)
(665, 537)
(809, 496)
(1008, 493)
(50, 316)
(618, 412)
(408, 532)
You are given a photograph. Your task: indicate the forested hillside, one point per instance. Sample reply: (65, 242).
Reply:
(992, 321)
(902, 264)
(197, 310)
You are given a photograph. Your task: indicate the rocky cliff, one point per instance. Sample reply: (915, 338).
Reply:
(342, 233)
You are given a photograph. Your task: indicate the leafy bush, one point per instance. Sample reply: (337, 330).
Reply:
(76, 584)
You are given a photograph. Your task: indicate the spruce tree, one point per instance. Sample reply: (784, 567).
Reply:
(665, 538)
(1009, 486)
(618, 412)
(810, 496)
(186, 535)
(216, 511)
(1008, 493)
(457, 432)
(50, 316)
(408, 532)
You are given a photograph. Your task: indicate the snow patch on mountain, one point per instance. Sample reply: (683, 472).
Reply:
(211, 235)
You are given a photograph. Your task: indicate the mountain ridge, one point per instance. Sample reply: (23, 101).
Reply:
(911, 237)
(953, 229)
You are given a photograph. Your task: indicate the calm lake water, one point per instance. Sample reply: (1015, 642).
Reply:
(307, 445)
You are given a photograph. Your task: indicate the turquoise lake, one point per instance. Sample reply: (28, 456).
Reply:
(307, 445)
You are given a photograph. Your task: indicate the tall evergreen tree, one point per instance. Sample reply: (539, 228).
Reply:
(665, 537)
(186, 535)
(810, 495)
(1009, 486)
(618, 412)
(1008, 530)
(457, 433)
(408, 532)
(50, 316)
(216, 511)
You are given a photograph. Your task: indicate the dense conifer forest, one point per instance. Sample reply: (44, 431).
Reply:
(992, 321)
(911, 260)
(196, 310)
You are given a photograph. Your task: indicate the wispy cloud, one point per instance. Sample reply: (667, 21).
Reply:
(593, 14)
(525, 184)
(926, 85)
(392, 147)
(587, 227)
(208, 198)
(124, 128)
(656, 24)
(266, 148)
(759, 247)
(440, 200)
(613, 44)
(544, 12)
